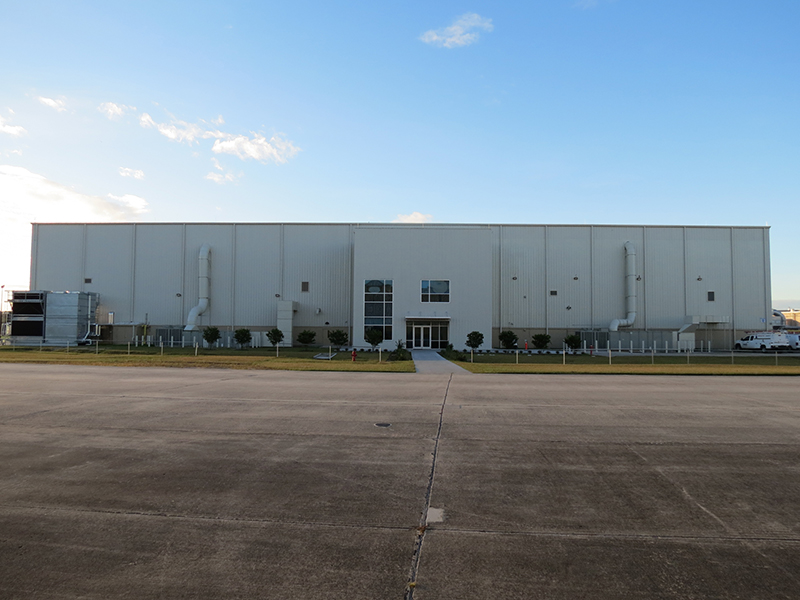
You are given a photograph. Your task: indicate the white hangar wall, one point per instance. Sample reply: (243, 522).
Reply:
(530, 278)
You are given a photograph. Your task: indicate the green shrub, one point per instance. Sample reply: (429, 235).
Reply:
(451, 354)
(211, 335)
(337, 337)
(242, 337)
(400, 353)
(508, 339)
(541, 341)
(573, 341)
(306, 337)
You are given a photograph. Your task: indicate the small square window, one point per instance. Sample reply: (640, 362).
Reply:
(711, 296)
(554, 292)
(304, 286)
(87, 280)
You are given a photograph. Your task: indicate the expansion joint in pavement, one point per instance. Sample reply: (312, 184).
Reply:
(423, 522)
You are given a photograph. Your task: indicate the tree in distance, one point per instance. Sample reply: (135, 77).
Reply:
(508, 338)
(337, 337)
(306, 337)
(242, 337)
(474, 340)
(211, 335)
(373, 337)
(275, 337)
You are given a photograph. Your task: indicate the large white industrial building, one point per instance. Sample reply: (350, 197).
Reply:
(425, 285)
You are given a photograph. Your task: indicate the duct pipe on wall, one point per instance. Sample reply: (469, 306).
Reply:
(203, 281)
(630, 289)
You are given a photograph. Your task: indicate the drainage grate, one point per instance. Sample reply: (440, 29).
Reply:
(383, 424)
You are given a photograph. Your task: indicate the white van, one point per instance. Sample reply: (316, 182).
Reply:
(763, 340)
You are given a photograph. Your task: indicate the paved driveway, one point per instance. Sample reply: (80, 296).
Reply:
(173, 483)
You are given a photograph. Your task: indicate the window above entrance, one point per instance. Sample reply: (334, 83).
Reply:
(435, 290)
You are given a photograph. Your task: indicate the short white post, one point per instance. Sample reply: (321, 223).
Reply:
(472, 355)
(68, 346)
(563, 356)
(97, 346)
(619, 346)
(380, 354)
(652, 355)
(776, 358)
(195, 348)
(631, 346)
(609, 354)
(129, 348)
(40, 345)
(162, 348)
(517, 357)
(171, 342)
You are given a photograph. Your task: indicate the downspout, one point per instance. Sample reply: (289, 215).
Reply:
(630, 289)
(203, 281)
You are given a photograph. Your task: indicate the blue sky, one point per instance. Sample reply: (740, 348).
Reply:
(557, 111)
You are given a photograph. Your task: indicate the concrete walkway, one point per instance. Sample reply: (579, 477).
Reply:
(429, 361)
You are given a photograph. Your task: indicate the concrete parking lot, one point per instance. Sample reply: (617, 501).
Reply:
(198, 483)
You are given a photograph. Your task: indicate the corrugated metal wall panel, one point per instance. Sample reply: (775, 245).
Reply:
(157, 274)
(59, 256)
(708, 268)
(524, 298)
(750, 280)
(319, 255)
(109, 252)
(220, 306)
(258, 275)
(663, 278)
(568, 258)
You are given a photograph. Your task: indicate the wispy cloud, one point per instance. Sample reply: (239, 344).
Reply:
(414, 217)
(52, 103)
(277, 149)
(115, 111)
(130, 203)
(223, 176)
(13, 130)
(462, 32)
(29, 198)
(135, 173)
(179, 131)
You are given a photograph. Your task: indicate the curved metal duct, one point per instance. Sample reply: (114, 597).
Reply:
(630, 289)
(203, 281)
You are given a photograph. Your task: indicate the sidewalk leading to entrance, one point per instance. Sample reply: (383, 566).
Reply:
(429, 361)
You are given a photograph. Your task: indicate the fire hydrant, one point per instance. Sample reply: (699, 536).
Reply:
(353, 354)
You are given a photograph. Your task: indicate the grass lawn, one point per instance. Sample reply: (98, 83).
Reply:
(291, 359)
(674, 364)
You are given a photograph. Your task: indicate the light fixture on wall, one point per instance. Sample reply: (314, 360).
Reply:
(569, 308)
(277, 295)
(699, 279)
(514, 278)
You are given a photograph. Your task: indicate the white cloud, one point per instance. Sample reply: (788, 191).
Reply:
(114, 111)
(57, 104)
(29, 198)
(414, 217)
(460, 33)
(277, 149)
(179, 131)
(135, 173)
(218, 121)
(130, 203)
(15, 130)
(222, 177)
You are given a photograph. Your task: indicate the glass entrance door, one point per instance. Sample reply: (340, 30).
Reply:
(422, 336)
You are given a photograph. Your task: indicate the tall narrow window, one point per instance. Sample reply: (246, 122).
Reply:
(435, 290)
(378, 306)
(711, 296)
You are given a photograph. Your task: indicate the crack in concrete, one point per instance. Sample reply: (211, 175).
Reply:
(423, 522)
